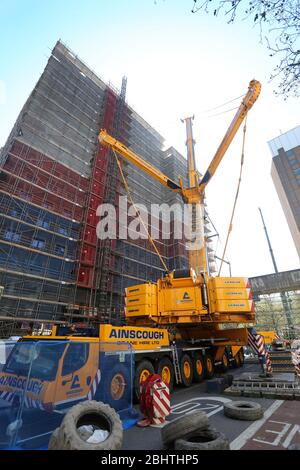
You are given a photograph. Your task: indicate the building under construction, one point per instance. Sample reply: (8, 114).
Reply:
(53, 176)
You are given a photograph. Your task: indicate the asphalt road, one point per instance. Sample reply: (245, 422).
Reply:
(279, 427)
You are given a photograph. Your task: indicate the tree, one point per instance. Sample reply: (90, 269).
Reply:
(279, 26)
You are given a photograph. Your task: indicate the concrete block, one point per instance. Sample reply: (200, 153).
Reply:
(232, 392)
(251, 393)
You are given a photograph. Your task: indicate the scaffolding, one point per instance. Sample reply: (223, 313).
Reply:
(53, 176)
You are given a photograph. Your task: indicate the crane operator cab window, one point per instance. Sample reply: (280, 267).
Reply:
(75, 357)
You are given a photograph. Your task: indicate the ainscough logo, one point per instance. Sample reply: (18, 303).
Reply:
(136, 334)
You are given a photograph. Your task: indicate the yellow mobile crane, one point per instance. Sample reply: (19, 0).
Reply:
(180, 327)
(195, 298)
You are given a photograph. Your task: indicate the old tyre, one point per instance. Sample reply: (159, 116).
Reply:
(208, 439)
(166, 370)
(142, 371)
(186, 369)
(209, 366)
(244, 410)
(54, 440)
(116, 387)
(198, 367)
(183, 427)
(97, 414)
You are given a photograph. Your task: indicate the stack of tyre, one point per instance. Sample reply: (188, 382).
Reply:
(193, 432)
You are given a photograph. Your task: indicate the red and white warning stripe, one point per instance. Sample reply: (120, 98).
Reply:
(160, 402)
(94, 385)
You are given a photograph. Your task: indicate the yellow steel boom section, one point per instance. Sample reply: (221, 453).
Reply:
(109, 141)
(246, 104)
(192, 195)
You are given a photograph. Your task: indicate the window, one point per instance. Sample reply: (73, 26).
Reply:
(75, 357)
(289, 153)
(38, 243)
(62, 230)
(293, 162)
(12, 236)
(298, 181)
(43, 358)
(42, 223)
(297, 171)
(60, 250)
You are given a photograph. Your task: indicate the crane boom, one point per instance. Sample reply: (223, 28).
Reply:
(246, 104)
(194, 193)
(129, 155)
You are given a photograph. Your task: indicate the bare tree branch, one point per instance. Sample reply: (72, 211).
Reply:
(279, 27)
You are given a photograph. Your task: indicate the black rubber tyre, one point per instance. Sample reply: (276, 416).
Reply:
(198, 367)
(166, 370)
(243, 410)
(209, 366)
(116, 388)
(225, 362)
(91, 413)
(141, 370)
(53, 442)
(183, 427)
(186, 369)
(208, 439)
(242, 357)
(236, 361)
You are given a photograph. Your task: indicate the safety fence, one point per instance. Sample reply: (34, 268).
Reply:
(42, 380)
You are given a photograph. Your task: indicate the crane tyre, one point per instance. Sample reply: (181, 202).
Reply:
(209, 366)
(94, 413)
(186, 369)
(225, 362)
(236, 361)
(242, 357)
(198, 367)
(183, 427)
(166, 370)
(117, 388)
(207, 439)
(143, 370)
(243, 410)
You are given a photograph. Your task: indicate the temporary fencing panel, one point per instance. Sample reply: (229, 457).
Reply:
(43, 379)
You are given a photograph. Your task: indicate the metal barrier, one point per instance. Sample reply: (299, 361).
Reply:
(41, 380)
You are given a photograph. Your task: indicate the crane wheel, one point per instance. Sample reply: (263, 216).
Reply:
(186, 369)
(198, 367)
(242, 357)
(116, 388)
(225, 362)
(142, 371)
(166, 370)
(237, 362)
(209, 366)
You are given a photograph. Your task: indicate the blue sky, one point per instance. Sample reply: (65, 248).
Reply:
(177, 64)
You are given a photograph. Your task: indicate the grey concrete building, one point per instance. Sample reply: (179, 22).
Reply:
(285, 172)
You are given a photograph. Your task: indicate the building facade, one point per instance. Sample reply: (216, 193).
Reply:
(285, 172)
(53, 176)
